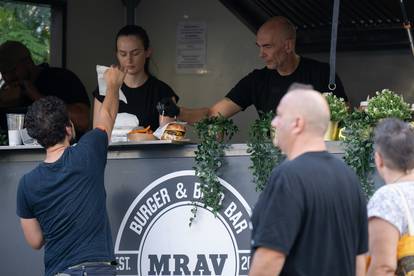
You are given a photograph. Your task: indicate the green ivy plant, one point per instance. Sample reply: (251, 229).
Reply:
(387, 104)
(213, 133)
(3, 138)
(337, 107)
(358, 146)
(358, 141)
(263, 155)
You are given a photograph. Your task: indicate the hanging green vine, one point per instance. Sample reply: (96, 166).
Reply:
(358, 141)
(263, 154)
(213, 133)
(358, 146)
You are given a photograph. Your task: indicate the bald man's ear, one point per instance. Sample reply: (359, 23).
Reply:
(289, 45)
(299, 125)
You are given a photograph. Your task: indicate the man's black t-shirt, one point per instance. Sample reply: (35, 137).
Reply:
(313, 211)
(142, 100)
(52, 81)
(61, 83)
(265, 88)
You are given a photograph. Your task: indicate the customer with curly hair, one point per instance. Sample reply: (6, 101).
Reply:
(62, 202)
(46, 120)
(394, 159)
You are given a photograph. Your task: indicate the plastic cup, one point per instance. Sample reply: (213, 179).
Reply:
(15, 123)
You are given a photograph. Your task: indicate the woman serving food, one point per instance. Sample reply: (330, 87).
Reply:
(142, 90)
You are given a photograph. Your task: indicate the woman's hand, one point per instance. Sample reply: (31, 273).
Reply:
(167, 107)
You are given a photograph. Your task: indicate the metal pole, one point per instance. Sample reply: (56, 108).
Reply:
(130, 9)
(334, 35)
(407, 26)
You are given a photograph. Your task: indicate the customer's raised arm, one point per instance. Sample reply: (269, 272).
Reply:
(105, 115)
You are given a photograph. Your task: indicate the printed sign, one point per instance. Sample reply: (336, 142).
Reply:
(191, 47)
(155, 237)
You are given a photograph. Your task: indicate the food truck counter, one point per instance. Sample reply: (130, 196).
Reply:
(151, 190)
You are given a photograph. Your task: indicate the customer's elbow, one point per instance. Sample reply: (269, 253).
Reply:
(37, 246)
(35, 242)
(33, 233)
(384, 270)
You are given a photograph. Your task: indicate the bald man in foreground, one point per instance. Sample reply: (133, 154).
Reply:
(311, 218)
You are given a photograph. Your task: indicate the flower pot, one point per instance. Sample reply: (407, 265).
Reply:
(332, 131)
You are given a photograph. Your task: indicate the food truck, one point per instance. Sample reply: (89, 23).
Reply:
(151, 184)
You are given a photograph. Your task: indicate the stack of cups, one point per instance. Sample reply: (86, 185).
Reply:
(15, 123)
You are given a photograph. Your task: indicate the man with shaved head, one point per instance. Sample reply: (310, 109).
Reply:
(311, 219)
(263, 88)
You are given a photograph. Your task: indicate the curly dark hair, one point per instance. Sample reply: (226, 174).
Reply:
(46, 121)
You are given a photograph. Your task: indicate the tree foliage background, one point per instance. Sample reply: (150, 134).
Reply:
(29, 24)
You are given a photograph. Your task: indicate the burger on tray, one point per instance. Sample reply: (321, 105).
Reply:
(172, 131)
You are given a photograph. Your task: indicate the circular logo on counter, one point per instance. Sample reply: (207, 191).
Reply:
(155, 237)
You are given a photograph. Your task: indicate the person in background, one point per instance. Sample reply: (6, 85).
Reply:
(142, 90)
(311, 218)
(394, 159)
(26, 82)
(263, 88)
(62, 202)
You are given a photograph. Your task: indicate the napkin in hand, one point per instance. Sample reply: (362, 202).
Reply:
(100, 70)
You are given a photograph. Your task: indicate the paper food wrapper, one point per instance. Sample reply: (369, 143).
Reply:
(124, 123)
(27, 140)
(117, 139)
(120, 132)
(160, 131)
(100, 70)
(125, 119)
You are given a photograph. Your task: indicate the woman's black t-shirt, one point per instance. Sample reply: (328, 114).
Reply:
(142, 100)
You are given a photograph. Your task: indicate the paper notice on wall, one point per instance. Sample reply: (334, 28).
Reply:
(191, 47)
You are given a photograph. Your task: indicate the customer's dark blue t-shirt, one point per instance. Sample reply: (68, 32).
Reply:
(68, 199)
